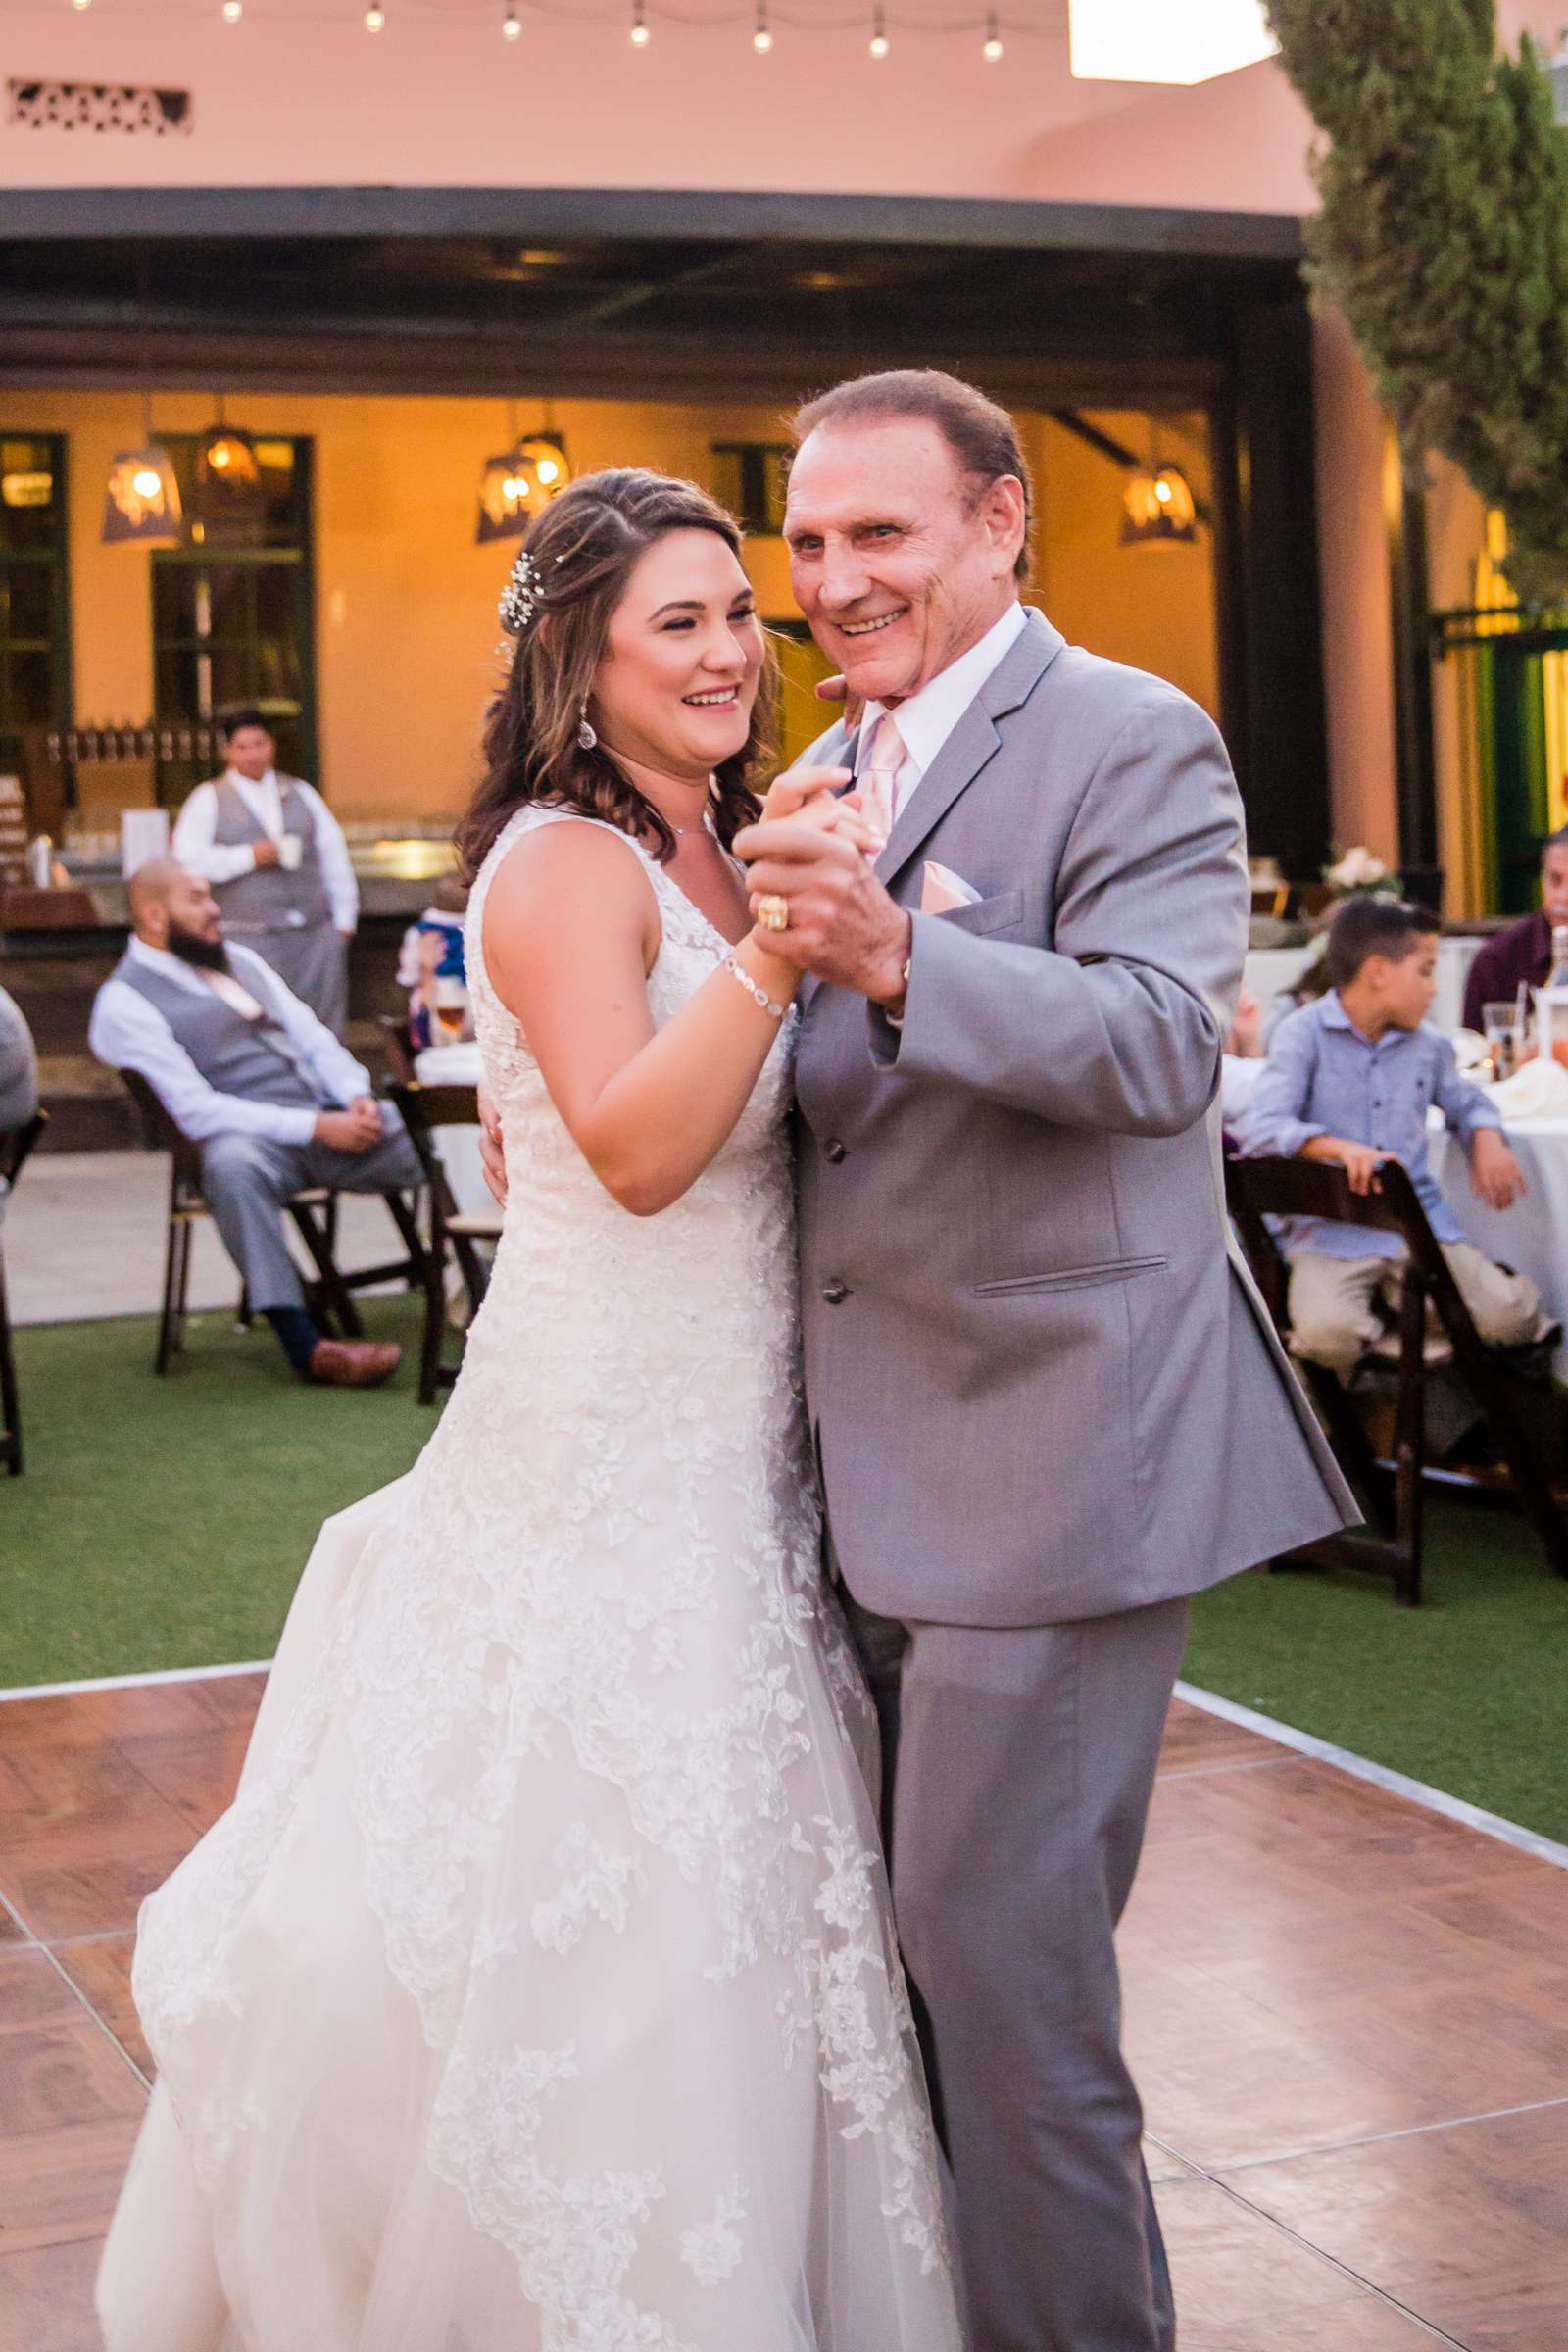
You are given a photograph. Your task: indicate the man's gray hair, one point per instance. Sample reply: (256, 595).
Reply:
(982, 436)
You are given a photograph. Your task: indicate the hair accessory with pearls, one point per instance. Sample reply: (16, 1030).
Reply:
(520, 599)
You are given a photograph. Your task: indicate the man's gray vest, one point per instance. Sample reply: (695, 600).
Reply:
(253, 1059)
(271, 898)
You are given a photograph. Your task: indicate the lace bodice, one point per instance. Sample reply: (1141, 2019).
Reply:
(547, 1171)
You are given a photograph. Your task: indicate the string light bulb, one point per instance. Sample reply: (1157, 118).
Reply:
(640, 36)
(511, 27)
(993, 48)
(880, 44)
(80, 5)
(374, 16)
(761, 39)
(234, 10)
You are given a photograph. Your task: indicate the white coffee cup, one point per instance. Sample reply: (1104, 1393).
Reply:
(290, 853)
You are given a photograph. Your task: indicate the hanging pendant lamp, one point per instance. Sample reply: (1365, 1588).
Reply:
(143, 502)
(227, 485)
(1159, 510)
(518, 482)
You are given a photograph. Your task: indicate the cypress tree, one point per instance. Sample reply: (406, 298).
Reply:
(1444, 239)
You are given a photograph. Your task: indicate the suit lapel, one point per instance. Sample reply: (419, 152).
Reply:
(971, 744)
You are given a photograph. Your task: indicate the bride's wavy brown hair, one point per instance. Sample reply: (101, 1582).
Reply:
(583, 549)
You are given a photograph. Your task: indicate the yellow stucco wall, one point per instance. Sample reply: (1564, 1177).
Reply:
(405, 607)
(1153, 607)
(406, 602)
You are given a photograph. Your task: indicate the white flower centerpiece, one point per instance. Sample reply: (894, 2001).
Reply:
(1358, 872)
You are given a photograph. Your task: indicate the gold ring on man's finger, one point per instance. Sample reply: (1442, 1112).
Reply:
(774, 911)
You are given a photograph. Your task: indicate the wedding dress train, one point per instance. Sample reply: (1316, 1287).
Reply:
(538, 1993)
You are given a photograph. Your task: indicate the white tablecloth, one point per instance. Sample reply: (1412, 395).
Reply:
(458, 1147)
(1532, 1236)
(1267, 970)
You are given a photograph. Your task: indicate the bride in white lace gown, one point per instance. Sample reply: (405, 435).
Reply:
(538, 1993)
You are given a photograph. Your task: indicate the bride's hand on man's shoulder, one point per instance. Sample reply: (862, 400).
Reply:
(837, 690)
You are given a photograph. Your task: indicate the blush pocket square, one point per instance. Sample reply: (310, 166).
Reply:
(942, 890)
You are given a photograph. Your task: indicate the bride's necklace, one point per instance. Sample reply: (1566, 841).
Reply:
(680, 832)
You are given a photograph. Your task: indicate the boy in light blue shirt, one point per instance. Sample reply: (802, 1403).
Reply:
(1349, 1080)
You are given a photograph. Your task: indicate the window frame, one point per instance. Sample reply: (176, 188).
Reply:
(57, 646)
(758, 513)
(298, 557)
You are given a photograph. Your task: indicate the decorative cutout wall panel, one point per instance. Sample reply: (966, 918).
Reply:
(100, 106)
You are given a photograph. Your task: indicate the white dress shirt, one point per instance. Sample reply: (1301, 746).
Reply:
(129, 1033)
(194, 846)
(928, 719)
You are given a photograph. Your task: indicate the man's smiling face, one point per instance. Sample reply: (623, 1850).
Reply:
(900, 561)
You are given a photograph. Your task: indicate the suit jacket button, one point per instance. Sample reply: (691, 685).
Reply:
(835, 1150)
(835, 1293)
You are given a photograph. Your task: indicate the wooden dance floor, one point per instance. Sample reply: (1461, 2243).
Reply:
(1349, 2015)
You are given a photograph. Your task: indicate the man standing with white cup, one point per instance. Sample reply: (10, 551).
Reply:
(278, 865)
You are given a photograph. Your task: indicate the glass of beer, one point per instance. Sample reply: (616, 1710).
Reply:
(448, 1002)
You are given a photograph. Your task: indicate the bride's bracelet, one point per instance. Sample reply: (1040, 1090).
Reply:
(754, 990)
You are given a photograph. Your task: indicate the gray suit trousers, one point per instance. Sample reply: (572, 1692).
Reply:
(247, 1179)
(312, 960)
(1018, 1768)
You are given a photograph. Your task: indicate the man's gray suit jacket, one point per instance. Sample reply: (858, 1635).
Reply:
(1042, 1386)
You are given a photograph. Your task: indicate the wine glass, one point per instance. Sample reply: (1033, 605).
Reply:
(1499, 1026)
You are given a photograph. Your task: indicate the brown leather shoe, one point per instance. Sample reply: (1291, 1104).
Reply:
(353, 1364)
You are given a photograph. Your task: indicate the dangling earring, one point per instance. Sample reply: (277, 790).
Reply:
(586, 737)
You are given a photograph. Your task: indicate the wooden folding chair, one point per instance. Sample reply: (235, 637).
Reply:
(16, 1145)
(453, 1232)
(1522, 1415)
(312, 1212)
(397, 1043)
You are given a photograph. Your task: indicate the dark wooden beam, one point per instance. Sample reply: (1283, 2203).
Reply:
(1093, 438)
(536, 215)
(574, 318)
(1414, 753)
(105, 353)
(1271, 649)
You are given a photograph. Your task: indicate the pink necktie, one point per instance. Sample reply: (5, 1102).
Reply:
(879, 778)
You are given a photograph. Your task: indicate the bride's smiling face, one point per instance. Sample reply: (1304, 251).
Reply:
(683, 659)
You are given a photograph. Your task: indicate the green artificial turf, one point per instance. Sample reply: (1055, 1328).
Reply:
(1469, 1693)
(164, 1523)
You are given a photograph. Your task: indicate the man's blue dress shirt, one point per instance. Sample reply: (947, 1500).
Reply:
(1323, 1077)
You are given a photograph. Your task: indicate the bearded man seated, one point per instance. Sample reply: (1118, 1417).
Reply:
(274, 1102)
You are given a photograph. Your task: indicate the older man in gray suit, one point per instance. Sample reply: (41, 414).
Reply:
(1047, 1405)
